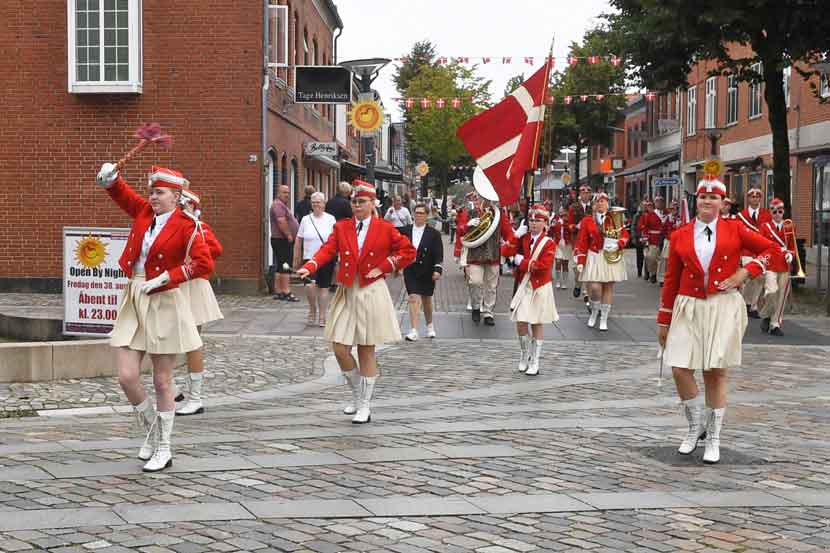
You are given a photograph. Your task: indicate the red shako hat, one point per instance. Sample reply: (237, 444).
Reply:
(539, 213)
(363, 189)
(162, 177)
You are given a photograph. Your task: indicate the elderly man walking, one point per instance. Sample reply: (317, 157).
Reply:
(283, 231)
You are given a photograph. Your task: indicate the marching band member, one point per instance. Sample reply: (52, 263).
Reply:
(154, 317)
(576, 214)
(459, 252)
(362, 313)
(701, 320)
(533, 303)
(561, 233)
(651, 231)
(597, 242)
(777, 277)
(753, 216)
(483, 262)
(671, 221)
(726, 208)
(203, 306)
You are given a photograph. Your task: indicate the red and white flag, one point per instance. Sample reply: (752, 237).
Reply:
(504, 139)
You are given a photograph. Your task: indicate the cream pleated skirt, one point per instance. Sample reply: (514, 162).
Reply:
(534, 306)
(706, 333)
(155, 323)
(363, 316)
(202, 300)
(597, 269)
(564, 251)
(664, 253)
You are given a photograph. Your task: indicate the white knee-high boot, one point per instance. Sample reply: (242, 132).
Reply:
(712, 453)
(524, 345)
(145, 415)
(193, 405)
(604, 310)
(592, 319)
(364, 409)
(163, 457)
(353, 381)
(535, 352)
(693, 409)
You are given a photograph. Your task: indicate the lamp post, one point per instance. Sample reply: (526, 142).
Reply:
(365, 72)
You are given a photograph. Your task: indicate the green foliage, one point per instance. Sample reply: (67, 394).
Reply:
(514, 83)
(422, 55)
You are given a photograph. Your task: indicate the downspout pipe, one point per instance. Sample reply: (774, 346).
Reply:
(264, 137)
(334, 127)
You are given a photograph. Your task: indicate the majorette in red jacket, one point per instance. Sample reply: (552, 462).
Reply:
(684, 274)
(764, 216)
(671, 224)
(541, 272)
(208, 236)
(591, 239)
(460, 223)
(651, 227)
(560, 229)
(384, 248)
(785, 243)
(169, 249)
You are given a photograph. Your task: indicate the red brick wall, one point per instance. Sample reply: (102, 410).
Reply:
(201, 83)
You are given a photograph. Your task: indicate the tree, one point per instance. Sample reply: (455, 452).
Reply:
(422, 55)
(663, 39)
(583, 124)
(513, 83)
(432, 129)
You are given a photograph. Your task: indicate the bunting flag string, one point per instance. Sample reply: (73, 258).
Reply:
(524, 60)
(441, 103)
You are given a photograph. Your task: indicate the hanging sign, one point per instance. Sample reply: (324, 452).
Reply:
(422, 168)
(322, 84)
(366, 116)
(93, 283)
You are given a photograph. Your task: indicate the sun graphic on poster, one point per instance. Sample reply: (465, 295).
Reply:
(90, 252)
(366, 116)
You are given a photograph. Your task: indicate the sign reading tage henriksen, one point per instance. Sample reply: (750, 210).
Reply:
(322, 84)
(93, 283)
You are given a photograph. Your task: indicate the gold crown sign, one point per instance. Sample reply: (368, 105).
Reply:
(366, 116)
(712, 169)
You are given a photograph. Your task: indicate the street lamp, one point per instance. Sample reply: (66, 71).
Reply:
(366, 71)
(713, 134)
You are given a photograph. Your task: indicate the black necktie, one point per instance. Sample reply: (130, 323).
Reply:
(153, 225)
(532, 241)
(708, 232)
(754, 217)
(359, 227)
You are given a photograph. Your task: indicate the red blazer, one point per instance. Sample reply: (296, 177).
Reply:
(460, 223)
(684, 274)
(671, 224)
(384, 248)
(764, 216)
(590, 238)
(541, 272)
(785, 243)
(574, 220)
(169, 249)
(651, 227)
(213, 244)
(560, 229)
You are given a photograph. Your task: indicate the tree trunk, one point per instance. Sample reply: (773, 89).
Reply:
(776, 104)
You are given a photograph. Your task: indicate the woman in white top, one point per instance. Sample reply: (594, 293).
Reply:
(398, 215)
(314, 230)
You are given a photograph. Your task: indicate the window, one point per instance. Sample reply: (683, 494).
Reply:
(315, 53)
(278, 56)
(755, 94)
(711, 102)
(738, 188)
(731, 100)
(297, 47)
(104, 46)
(770, 186)
(305, 46)
(691, 111)
(787, 74)
(824, 87)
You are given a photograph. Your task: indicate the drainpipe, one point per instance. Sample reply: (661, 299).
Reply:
(264, 135)
(334, 130)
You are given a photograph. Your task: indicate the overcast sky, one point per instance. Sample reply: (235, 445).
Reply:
(469, 28)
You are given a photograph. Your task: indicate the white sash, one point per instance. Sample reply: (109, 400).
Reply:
(747, 223)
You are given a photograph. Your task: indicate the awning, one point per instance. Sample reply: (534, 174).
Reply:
(380, 172)
(324, 160)
(646, 165)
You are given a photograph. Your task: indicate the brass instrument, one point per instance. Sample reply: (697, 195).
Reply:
(617, 215)
(478, 235)
(789, 230)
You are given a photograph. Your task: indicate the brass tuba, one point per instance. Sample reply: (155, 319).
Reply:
(478, 235)
(617, 215)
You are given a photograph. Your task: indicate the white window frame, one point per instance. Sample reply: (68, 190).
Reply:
(732, 97)
(711, 103)
(756, 96)
(788, 71)
(824, 85)
(691, 111)
(273, 31)
(135, 37)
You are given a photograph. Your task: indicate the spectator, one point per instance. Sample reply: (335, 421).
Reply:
(283, 230)
(636, 238)
(303, 207)
(398, 215)
(313, 233)
(453, 214)
(340, 206)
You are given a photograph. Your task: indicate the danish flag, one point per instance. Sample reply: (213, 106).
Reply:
(504, 140)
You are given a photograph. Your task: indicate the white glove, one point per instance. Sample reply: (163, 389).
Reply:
(610, 245)
(107, 175)
(522, 230)
(580, 268)
(789, 257)
(517, 259)
(154, 283)
(474, 222)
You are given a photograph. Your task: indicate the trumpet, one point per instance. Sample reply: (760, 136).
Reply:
(789, 230)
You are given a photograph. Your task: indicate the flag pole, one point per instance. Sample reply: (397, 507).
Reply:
(537, 138)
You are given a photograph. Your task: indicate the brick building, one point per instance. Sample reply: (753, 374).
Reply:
(80, 80)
